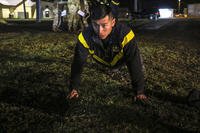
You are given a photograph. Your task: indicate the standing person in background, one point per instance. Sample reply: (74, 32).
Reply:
(84, 14)
(72, 16)
(63, 17)
(56, 18)
(59, 14)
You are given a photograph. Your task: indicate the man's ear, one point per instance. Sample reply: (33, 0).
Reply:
(113, 22)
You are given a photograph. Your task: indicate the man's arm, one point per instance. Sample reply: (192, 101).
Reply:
(134, 64)
(79, 60)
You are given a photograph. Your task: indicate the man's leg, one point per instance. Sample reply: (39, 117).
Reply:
(75, 23)
(69, 22)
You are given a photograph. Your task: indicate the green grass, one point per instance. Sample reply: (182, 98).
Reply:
(2, 21)
(34, 77)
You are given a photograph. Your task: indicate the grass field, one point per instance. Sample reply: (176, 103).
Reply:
(34, 75)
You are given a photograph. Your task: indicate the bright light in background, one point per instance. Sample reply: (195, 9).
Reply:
(179, 6)
(166, 13)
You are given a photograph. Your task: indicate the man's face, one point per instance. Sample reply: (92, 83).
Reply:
(103, 27)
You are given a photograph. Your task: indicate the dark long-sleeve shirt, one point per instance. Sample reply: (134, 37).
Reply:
(118, 48)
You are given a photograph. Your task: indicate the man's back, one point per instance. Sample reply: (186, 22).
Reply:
(107, 48)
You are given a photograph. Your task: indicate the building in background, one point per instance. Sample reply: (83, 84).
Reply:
(46, 10)
(15, 9)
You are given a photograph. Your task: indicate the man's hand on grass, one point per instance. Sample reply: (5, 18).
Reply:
(73, 94)
(140, 97)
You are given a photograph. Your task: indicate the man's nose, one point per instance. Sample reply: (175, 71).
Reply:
(100, 29)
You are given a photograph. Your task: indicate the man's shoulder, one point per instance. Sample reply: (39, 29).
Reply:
(122, 26)
(122, 29)
(88, 32)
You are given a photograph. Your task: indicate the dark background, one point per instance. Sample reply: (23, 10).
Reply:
(150, 3)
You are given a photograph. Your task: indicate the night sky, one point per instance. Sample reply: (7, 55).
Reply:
(158, 3)
(154, 3)
(146, 4)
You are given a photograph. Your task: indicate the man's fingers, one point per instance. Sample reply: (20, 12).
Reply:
(140, 97)
(73, 94)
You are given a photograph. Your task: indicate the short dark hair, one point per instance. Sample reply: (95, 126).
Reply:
(100, 11)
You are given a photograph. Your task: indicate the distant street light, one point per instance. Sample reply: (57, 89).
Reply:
(179, 6)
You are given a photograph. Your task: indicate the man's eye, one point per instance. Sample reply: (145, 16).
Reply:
(104, 25)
